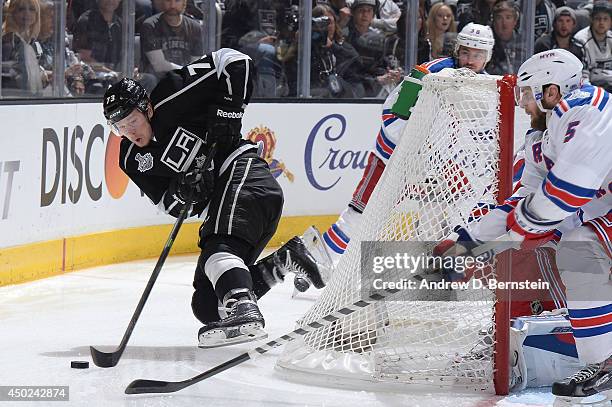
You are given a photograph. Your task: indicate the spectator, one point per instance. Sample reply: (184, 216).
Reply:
(441, 30)
(170, 40)
(450, 3)
(45, 36)
(191, 10)
(474, 11)
(583, 17)
(342, 11)
(265, 31)
(46, 40)
(395, 45)
(423, 44)
(597, 46)
(21, 72)
(562, 34)
(507, 51)
(263, 16)
(334, 62)
(386, 17)
(77, 74)
(369, 43)
(76, 8)
(544, 17)
(97, 37)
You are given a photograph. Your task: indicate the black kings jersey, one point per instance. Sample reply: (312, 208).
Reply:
(180, 102)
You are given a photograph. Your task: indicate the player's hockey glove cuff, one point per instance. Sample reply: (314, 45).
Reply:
(171, 203)
(198, 183)
(458, 244)
(223, 125)
(194, 186)
(524, 227)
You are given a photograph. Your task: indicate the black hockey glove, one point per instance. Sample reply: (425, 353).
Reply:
(223, 125)
(171, 202)
(195, 186)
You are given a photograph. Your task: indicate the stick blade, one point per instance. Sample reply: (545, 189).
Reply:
(142, 386)
(103, 359)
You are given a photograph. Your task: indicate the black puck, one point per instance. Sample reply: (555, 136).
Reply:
(79, 364)
(301, 284)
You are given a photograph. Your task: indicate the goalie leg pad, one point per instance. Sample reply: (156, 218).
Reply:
(542, 351)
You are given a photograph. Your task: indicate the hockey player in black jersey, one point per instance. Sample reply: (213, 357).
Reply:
(192, 113)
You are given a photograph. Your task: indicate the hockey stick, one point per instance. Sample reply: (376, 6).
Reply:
(141, 386)
(110, 359)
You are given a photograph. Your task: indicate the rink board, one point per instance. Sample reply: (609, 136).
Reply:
(65, 204)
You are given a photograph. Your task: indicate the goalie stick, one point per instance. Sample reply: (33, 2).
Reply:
(142, 386)
(110, 359)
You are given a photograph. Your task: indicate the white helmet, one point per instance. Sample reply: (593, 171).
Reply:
(476, 36)
(558, 67)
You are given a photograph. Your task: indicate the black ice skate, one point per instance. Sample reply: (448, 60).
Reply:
(294, 257)
(244, 322)
(592, 380)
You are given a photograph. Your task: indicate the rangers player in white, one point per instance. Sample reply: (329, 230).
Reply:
(568, 180)
(473, 50)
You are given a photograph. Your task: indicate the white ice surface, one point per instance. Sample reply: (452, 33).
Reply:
(46, 324)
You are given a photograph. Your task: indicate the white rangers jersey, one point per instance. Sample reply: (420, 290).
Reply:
(575, 156)
(392, 126)
(568, 166)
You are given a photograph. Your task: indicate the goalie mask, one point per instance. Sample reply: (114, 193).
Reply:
(555, 67)
(122, 98)
(478, 37)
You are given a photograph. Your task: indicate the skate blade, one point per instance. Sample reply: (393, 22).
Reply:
(216, 338)
(599, 400)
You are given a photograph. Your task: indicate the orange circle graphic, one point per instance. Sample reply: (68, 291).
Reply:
(116, 180)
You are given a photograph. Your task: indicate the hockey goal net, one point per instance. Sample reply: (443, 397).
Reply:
(454, 159)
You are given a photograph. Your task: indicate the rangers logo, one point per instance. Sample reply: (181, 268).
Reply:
(145, 162)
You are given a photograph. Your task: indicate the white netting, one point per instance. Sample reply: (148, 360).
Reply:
(445, 166)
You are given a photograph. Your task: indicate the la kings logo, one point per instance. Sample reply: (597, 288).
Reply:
(182, 150)
(145, 162)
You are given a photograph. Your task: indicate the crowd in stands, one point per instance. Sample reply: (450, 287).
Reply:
(357, 46)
